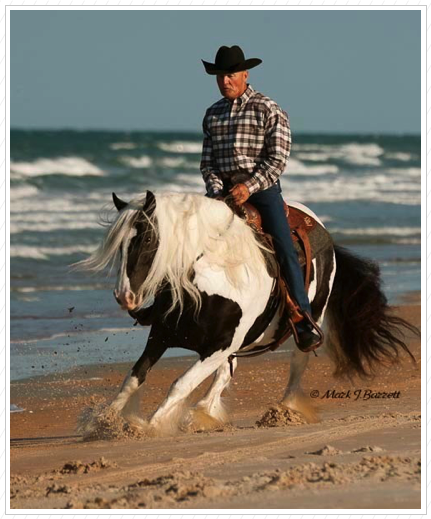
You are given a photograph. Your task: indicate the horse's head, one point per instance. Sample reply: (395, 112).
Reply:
(137, 251)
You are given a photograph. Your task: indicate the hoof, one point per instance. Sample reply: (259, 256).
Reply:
(199, 420)
(302, 404)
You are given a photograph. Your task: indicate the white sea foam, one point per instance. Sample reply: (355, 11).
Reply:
(63, 225)
(296, 167)
(69, 334)
(19, 192)
(410, 241)
(191, 179)
(313, 157)
(72, 166)
(379, 231)
(379, 188)
(137, 162)
(123, 146)
(401, 156)
(60, 288)
(61, 205)
(43, 253)
(404, 172)
(171, 162)
(181, 147)
(182, 188)
(361, 154)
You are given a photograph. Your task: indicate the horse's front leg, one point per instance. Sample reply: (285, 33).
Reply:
(97, 422)
(127, 400)
(167, 415)
(210, 412)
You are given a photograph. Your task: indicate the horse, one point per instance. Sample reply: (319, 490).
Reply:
(205, 274)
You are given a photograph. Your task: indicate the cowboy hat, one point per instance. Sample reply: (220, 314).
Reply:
(229, 60)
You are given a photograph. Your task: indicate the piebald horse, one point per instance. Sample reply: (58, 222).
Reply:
(205, 273)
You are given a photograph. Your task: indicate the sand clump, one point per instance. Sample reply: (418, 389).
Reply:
(187, 489)
(105, 423)
(327, 450)
(161, 492)
(368, 448)
(77, 467)
(278, 416)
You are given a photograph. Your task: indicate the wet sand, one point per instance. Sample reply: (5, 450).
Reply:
(363, 454)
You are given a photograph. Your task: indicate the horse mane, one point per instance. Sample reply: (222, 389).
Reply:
(108, 251)
(187, 226)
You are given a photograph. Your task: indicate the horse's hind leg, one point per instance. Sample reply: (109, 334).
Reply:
(294, 398)
(210, 412)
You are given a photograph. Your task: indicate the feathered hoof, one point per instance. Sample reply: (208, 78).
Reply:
(199, 420)
(302, 405)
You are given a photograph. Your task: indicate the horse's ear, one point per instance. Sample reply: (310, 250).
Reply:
(119, 204)
(150, 203)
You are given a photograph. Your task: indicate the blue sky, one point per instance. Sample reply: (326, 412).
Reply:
(332, 71)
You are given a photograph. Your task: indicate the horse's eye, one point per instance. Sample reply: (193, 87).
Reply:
(147, 240)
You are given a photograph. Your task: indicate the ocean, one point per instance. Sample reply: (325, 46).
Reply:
(366, 189)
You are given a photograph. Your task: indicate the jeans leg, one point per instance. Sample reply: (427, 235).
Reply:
(270, 205)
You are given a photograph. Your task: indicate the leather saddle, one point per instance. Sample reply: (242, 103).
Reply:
(300, 223)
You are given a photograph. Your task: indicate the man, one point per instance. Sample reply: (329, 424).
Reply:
(245, 149)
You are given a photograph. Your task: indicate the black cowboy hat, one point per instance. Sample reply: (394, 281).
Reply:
(229, 60)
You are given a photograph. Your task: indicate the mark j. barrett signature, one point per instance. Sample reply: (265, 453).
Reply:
(363, 394)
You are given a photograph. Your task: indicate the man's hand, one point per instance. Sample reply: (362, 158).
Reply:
(240, 193)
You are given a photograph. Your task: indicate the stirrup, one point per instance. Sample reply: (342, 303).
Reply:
(315, 327)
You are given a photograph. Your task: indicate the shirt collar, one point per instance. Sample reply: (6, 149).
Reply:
(246, 95)
(249, 92)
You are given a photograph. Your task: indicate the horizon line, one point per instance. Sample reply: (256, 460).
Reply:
(130, 130)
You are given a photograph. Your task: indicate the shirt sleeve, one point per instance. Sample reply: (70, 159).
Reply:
(209, 170)
(278, 142)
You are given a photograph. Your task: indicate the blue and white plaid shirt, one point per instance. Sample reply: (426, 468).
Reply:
(246, 141)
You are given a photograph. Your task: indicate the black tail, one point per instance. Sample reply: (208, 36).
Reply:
(363, 332)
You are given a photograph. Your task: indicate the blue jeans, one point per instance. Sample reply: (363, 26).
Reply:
(270, 205)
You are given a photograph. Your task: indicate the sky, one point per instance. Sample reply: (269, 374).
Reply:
(332, 71)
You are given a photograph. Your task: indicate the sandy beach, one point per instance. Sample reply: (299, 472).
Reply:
(365, 453)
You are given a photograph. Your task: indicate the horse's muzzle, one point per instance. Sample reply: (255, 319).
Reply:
(126, 300)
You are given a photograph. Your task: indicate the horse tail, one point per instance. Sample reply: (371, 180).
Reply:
(363, 331)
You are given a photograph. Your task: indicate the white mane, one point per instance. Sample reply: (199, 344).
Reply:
(188, 226)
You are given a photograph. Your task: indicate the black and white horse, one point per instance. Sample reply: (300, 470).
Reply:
(206, 274)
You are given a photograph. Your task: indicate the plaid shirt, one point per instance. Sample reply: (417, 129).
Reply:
(245, 141)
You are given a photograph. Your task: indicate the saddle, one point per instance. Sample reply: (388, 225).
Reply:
(301, 225)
